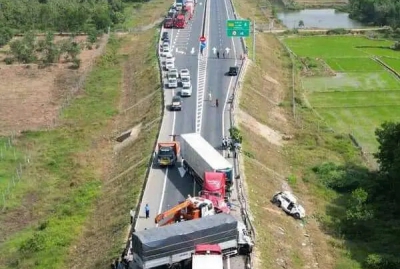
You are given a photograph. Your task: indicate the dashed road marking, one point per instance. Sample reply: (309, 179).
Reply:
(202, 77)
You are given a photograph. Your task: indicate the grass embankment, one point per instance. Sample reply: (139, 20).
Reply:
(10, 159)
(363, 96)
(272, 164)
(71, 209)
(146, 13)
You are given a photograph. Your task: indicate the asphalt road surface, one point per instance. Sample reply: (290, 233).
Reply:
(166, 187)
(218, 82)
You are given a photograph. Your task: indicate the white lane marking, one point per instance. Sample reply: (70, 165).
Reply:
(230, 82)
(166, 172)
(202, 76)
(228, 263)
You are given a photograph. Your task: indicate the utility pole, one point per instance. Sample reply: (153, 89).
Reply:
(254, 41)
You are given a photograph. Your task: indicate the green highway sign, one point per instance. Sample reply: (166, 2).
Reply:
(239, 28)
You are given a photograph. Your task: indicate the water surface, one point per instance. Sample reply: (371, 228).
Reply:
(318, 18)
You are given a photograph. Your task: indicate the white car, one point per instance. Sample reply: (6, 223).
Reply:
(165, 52)
(185, 81)
(288, 202)
(165, 45)
(186, 90)
(169, 64)
(173, 73)
(184, 73)
(172, 83)
(169, 57)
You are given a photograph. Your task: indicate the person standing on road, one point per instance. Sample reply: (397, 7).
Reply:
(216, 102)
(223, 54)
(147, 210)
(132, 213)
(218, 54)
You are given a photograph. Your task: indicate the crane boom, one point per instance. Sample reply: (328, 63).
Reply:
(172, 211)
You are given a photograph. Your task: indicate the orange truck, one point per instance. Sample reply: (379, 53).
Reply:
(168, 153)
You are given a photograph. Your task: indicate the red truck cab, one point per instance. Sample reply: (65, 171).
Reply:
(180, 21)
(168, 22)
(214, 190)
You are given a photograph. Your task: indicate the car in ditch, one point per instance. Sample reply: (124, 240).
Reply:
(288, 202)
(176, 104)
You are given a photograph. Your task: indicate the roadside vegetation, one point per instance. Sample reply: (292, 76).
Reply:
(71, 206)
(351, 211)
(381, 13)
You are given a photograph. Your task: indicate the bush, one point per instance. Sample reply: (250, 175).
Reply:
(338, 177)
(235, 134)
(337, 31)
(34, 244)
(9, 60)
(5, 35)
(378, 261)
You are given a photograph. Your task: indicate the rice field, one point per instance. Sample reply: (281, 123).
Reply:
(392, 62)
(363, 94)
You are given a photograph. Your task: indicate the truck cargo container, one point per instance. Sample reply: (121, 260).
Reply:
(200, 157)
(174, 245)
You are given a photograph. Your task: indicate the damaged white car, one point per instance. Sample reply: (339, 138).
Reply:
(288, 202)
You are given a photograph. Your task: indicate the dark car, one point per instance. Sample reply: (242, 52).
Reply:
(176, 103)
(164, 36)
(233, 71)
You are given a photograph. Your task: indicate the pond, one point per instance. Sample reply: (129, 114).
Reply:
(318, 18)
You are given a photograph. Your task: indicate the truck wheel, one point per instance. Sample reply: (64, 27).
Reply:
(176, 266)
(296, 216)
(278, 203)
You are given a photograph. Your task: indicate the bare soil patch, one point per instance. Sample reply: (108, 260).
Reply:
(31, 97)
(268, 133)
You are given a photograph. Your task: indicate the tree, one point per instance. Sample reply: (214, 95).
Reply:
(5, 35)
(24, 49)
(388, 157)
(301, 23)
(50, 51)
(381, 12)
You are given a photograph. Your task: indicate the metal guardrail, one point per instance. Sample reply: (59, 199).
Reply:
(239, 182)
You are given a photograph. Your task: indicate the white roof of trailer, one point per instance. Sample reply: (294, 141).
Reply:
(207, 262)
(200, 145)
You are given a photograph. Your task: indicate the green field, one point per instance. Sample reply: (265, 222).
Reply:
(363, 94)
(392, 62)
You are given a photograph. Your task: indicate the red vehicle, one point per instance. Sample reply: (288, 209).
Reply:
(168, 23)
(180, 21)
(189, 9)
(214, 190)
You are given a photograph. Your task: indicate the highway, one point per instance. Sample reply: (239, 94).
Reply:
(220, 85)
(166, 187)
